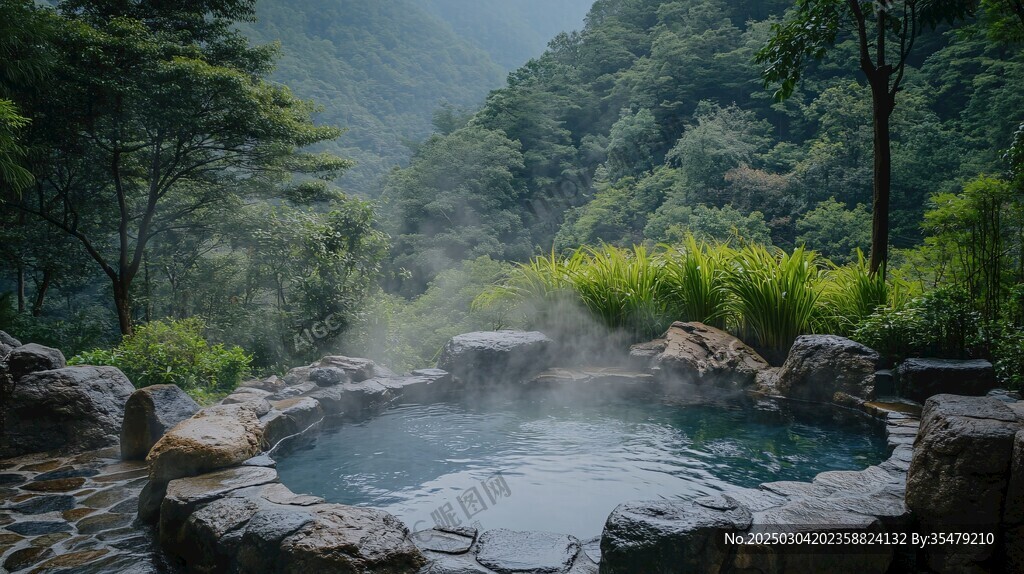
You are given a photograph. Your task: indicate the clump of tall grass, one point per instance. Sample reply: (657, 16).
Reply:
(621, 288)
(775, 295)
(764, 295)
(853, 294)
(693, 282)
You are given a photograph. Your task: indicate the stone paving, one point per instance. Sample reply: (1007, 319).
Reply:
(74, 514)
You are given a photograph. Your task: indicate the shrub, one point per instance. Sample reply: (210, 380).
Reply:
(940, 323)
(174, 352)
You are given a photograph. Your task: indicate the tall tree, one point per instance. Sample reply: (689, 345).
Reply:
(163, 112)
(885, 32)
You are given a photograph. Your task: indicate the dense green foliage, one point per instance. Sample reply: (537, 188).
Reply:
(381, 69)
(166, 173)
(174, 353)
(653, 122)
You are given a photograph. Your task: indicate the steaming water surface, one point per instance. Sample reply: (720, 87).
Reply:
(567, 463)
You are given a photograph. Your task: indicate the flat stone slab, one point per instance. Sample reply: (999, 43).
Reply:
(44, 504)
(436, 540)
(36, 528)
(510, 551)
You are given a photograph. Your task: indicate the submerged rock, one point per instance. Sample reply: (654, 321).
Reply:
(828, 368)
(149, 413)
(918, 379)
(72, 409)
(510, 551)
(493, 356)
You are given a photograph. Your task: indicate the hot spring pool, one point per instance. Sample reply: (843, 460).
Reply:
(559, 464)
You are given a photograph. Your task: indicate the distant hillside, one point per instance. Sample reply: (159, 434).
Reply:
(511, 31)
(381, 69)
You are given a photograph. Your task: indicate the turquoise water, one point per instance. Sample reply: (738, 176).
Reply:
(560, 464)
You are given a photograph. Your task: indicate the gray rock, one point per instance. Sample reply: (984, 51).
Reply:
(149, 413)
(72, 409)
(918, 379)
(261, 540)
(8, 340)
(204, 541)
(960, 472)
(32, 358)
(510, 551)
(697, 353)
(446, 541)
(828, 368)
(354, 370)
(350, 539)
(327, 376)
(263, 460)
(645, 355)
(667, 537)
(1013, 512)
(491, 356)
(1005, 395)
(885, 383)
(352, 398)
(441, 563)
(185, 495)
(271, 384)
(288, 418)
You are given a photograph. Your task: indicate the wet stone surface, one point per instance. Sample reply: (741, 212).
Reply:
(74, 514)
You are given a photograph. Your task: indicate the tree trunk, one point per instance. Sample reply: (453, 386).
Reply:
(41, 289)
(21, 288)
(882, 108)
(123, 303)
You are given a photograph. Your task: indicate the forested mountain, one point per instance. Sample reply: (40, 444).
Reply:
(381, 69)
(654, 121)
(511, 31)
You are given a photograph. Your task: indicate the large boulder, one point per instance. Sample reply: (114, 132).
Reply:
(69, 410)
(7, 344)
(919, 379)
(828, 368)
(960, 473)
(1013, 511)
(669, 536)
(507, 355)
(149, 413)
(9, 340)
(216, 437)
(32, 358)
(698, 353)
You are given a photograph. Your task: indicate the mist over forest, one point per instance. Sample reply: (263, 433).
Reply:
(267, 182)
